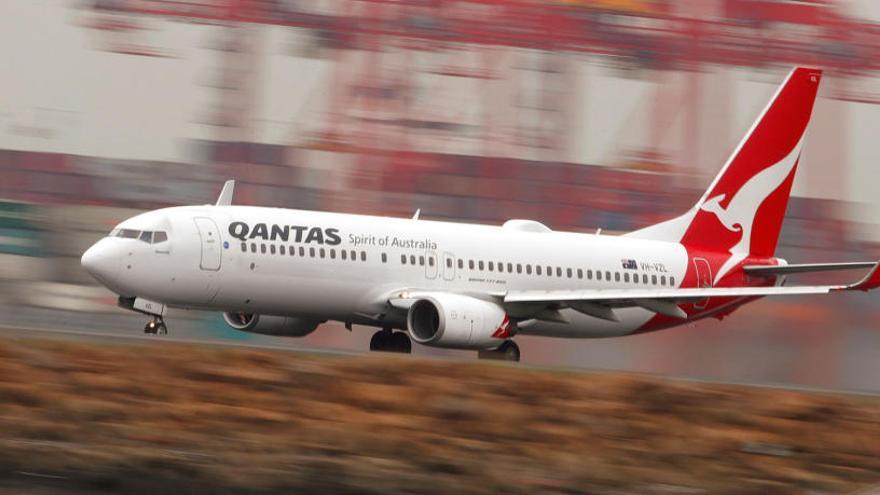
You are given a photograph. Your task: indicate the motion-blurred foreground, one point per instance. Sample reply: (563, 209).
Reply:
(166, 418)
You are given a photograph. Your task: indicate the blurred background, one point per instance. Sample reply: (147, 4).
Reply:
(610, 114)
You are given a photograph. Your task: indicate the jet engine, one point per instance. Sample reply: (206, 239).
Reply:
(456, 321)
(282, 326)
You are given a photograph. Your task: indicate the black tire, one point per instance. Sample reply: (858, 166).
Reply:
(508, 351)
(380, 341)
(162, 329)
(401, 343)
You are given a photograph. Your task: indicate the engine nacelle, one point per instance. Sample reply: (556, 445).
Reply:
(282, 326)
(456, 321)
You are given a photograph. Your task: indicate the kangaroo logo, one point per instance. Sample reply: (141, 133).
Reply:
(739, 216)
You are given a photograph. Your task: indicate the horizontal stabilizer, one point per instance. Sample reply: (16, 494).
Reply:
(764, 270)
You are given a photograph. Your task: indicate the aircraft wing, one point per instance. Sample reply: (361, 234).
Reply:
(600, 302)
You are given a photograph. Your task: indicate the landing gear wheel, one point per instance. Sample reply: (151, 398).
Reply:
(379, 341)
(156, 326)
(388, 341)
(507, 351)
(401, 343)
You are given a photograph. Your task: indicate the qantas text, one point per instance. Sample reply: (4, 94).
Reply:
(298, 233)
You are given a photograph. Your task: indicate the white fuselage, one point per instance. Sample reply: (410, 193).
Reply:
(218, 258)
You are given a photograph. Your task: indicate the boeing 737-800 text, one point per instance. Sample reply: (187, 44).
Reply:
(284, 272)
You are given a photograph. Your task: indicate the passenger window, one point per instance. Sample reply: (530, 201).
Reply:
(653, 279)
(645, 279)
(422, 260)
(519, 268)
(363, 256)
(353, 254)
(608, 275)
(253, 247)
(549, 271)
(471, 264)
(282, 249)
(343, 254)
(598, 275)
(510, 268)
(482, 265)
(663, 280)
(291, 250)
(384, 257)
(528, 269)
(580, 273)
(617, 276)
(491, 266)
(402, 259)
(243, 247)
(159, 236)
(672, 281)
(321, 252)
(448, 262)
(430, 261)
(302, 251)
(332, 254)
(460, 264)
(262, 249)
(272, 248)
(538, 269)
(412, 259)
(635, 278)
(312, 252)
(558, 271)
(589, 274)
(501, 267)
(626, 277)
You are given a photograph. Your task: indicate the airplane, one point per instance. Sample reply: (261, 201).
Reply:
(475, 287)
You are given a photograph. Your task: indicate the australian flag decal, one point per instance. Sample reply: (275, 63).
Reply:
(629, 264)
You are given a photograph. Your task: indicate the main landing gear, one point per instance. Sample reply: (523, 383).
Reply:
(508, 351)
(156, 326)
(387, 341)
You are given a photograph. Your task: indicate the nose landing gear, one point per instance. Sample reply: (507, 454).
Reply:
(156, 326)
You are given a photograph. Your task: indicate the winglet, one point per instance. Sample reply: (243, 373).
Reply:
(416, 214)
(870, 281)
(225, 198)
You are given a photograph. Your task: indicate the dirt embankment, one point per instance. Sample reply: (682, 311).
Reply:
(84, 418)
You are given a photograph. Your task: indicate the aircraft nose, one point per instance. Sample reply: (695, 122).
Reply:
(100, 263)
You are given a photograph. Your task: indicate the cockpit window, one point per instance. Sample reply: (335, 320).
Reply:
(148, 236)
